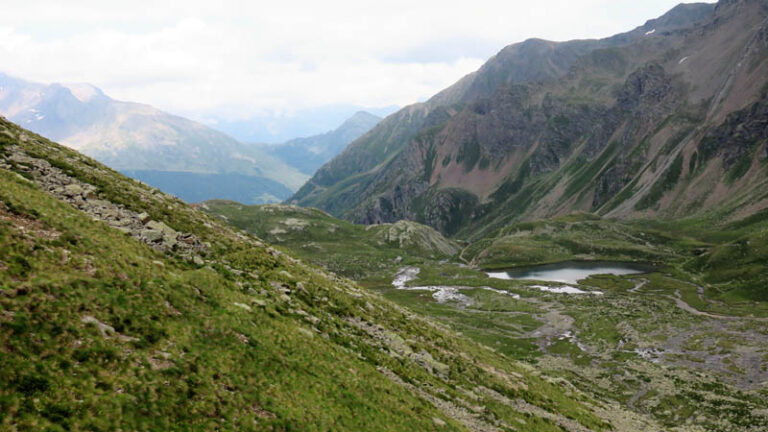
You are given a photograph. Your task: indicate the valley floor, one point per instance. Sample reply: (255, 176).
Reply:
(640, 342)
(677, 344)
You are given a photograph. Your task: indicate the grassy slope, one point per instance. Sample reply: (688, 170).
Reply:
(352, 250)
(574, 237)
(185, 354)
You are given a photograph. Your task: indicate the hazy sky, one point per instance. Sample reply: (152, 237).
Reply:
(240, 58)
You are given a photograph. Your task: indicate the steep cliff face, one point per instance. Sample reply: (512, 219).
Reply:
(610, 126)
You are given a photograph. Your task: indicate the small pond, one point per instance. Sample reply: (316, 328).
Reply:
(571, 272)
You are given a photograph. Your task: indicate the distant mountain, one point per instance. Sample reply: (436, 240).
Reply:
(183, 157)
(667, 120)
(278, 127)
(310, 153)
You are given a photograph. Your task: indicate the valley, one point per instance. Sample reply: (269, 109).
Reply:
(572, 238)
(181, 322)
(669, 341)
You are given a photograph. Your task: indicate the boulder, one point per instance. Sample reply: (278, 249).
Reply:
(73, 190)
(160, 226)
(152, 235)
(104, 329)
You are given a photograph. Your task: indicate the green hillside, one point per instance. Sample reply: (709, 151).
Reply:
(352, 250)
(123, 308)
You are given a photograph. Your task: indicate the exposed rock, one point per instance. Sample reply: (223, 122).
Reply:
(105, 329)
(738, 136)
(72, 190)
(84, 197)
(409, 234)
(243, 306)
(151, 236)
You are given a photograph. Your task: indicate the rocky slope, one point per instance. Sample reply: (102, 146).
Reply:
(666, 121)
(171, 152)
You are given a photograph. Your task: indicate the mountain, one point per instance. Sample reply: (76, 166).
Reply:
(310, 153)
(124, 308)
(178, 155)
(667, 120)
(275, 127)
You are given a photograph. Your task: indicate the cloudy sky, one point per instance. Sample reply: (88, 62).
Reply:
(244, 58)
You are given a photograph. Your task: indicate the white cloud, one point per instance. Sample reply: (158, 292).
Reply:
(249, 56)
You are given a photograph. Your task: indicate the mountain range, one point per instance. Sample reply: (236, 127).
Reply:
(173, 153)
(666, 120)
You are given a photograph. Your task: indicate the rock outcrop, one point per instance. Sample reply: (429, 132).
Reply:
(85, 197)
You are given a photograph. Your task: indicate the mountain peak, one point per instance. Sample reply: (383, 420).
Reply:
(310, 153)
(360, 117)
(680, 16)
(84, 92)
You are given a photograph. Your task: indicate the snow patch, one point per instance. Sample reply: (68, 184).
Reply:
(648, 33)
(499, 275)
(682, 60)
(445, 294)
(570, 337)
(502, 292)
(441, 293)
(565, 289)
(243, 157)
(405, 275)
